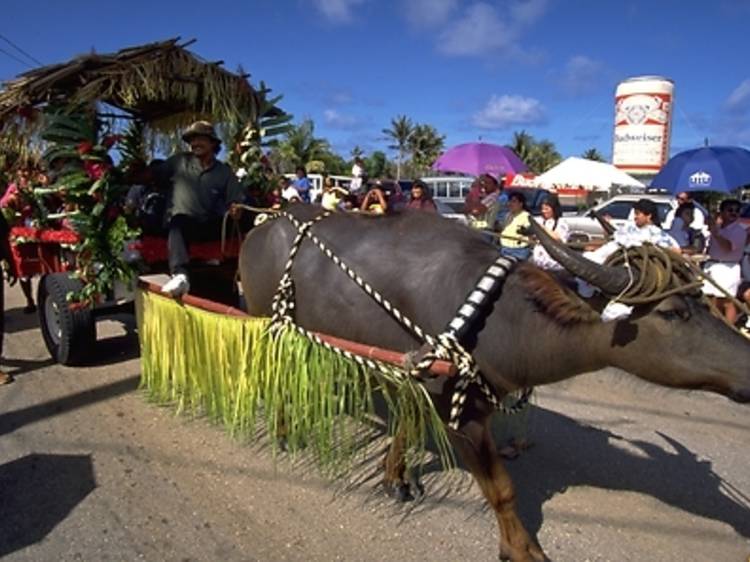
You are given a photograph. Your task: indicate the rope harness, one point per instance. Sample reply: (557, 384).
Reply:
(446, 345)
(655, 273)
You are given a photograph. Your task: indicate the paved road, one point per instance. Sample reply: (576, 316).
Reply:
(89, 470)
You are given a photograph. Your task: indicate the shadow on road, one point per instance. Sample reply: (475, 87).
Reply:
(23, 366)
(10, 421)
(37, 492)
(18, 321)
(570, 454)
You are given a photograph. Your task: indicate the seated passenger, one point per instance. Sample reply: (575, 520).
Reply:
(644, 228)
(332, 195)
(514, 242)
(689, 240)
(420, 199)
(202, 189)
(375, 201)
(557, 229)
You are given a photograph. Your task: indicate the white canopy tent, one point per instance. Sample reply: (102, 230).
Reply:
(579, 172)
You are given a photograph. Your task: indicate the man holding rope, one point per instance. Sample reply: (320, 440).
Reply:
(201, 190)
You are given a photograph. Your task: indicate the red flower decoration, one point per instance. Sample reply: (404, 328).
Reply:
(26, 111)
(112, 213)
(95, 170)
(110, 140)
(84, 147)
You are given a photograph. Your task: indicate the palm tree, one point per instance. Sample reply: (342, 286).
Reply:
(357, 152)
(523, 145)
(593, 154)
(400, 132)
(300, 147)
(425, 145)
(543, 156)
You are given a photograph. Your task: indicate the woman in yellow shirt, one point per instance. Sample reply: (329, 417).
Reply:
(514, 243)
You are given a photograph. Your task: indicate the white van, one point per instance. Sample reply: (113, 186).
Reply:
(451, 190)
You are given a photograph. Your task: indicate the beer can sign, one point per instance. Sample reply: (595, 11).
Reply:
(643, 124)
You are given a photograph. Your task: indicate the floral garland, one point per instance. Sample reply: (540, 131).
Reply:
(89, 191)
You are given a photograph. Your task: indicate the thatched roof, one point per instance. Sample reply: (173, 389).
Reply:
(162, 83)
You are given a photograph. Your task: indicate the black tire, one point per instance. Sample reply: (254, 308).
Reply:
(69, 334)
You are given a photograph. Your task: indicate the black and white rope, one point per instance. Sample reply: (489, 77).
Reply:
(445, 346)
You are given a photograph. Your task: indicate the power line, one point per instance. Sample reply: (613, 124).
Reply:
(20, 50)
(14, 57)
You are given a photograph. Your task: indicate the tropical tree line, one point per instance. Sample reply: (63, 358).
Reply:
(415, 146)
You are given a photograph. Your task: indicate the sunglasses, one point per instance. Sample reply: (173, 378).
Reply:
(733, 210)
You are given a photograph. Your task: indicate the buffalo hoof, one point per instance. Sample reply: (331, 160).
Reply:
(404, 491)
(521, 553)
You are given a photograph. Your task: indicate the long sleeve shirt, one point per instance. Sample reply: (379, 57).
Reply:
(198, 192)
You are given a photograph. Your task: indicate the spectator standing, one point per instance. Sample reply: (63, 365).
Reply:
(420, 199)
(557, 229)
(699, 221)
(17, 209)
(725, 248)
(302, 184)
(358, 176)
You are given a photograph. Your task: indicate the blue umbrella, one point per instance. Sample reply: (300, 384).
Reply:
(712, 168)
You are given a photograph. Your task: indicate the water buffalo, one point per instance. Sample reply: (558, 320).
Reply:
(537, 331)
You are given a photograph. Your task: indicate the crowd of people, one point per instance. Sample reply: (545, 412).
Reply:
(720, 239)
(186, 196)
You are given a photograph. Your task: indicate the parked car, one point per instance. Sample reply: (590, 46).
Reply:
(584, 227)
(445, 210)
(451, 190)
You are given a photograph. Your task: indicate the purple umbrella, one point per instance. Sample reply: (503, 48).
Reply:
(476, 158)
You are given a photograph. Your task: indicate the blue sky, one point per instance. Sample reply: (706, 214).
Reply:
(471, 69)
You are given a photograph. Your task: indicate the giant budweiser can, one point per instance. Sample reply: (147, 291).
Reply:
(643, 123)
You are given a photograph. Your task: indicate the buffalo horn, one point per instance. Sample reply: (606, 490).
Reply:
(611, 280)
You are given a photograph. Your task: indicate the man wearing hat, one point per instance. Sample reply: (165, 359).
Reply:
(201, 190)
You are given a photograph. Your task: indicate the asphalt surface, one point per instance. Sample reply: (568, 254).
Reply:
(90, 470)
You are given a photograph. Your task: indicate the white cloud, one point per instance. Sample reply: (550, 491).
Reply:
(429, 13)
(580, 75)
(739, 99)
(481, 30)
(505, 111)
(528, 11)
(338, 11)
(338, 120)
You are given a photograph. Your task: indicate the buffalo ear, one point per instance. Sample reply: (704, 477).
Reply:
(610, 280)
(555, 299)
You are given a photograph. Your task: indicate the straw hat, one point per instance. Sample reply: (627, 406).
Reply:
(200, 128)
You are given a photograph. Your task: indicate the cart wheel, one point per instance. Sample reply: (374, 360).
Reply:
(69, 334)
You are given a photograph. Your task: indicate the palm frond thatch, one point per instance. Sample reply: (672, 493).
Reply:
(161, 83)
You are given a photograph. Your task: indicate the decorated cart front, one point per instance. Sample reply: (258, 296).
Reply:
(84, 131)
